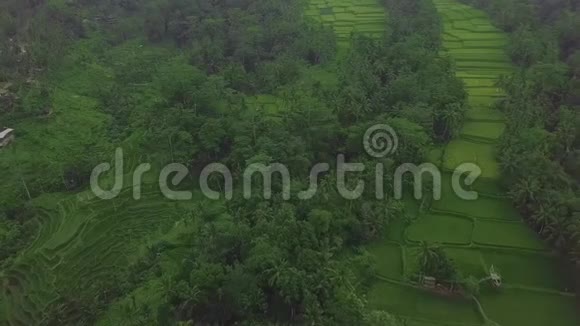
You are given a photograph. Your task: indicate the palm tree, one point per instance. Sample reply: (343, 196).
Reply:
(276, 272)
(168, 286)
(558, 231)
(429, 257)
(510, 163)
(188, 296)
(451, 117)
(525, 190)
(541, 217)
(327, 188)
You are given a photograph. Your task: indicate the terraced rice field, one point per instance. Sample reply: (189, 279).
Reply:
(81, 240)
(348, 16)
(476, 234)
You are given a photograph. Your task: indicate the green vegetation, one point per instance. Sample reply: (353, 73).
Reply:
(434, 262)
(508, 234)
(389, 260)
(441, 229)
(294, 82)
(349, 16)
(412, 302)
(488, 232)
(539, 151)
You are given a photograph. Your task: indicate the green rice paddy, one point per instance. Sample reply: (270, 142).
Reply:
(501, 234)
(482, 233)
(469, 260)
(81, 241)
(347, 16)
(481, 208)
(393, 267)
(441, 229)
(466, 151)
(540, 269)
(483, 130)
(524, 307)
(412, 302)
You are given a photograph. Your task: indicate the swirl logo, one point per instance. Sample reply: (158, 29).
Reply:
(380, 141)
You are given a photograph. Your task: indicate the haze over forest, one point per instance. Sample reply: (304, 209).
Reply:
(198, 162)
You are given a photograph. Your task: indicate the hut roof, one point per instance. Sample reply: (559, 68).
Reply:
(5, 133)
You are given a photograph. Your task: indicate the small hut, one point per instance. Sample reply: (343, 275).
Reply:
(429, 282)
(6, 137)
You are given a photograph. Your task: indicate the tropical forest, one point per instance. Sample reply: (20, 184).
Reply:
(290, 162)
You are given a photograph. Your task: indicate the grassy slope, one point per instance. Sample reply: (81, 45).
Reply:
(487, 231)
(81, 240)
(348, 16)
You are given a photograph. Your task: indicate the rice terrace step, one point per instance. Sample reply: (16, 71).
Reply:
(347, 16)
(488, 231)
(203, 84)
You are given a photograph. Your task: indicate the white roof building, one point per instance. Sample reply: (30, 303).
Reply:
(6, 137)
(6, 133)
